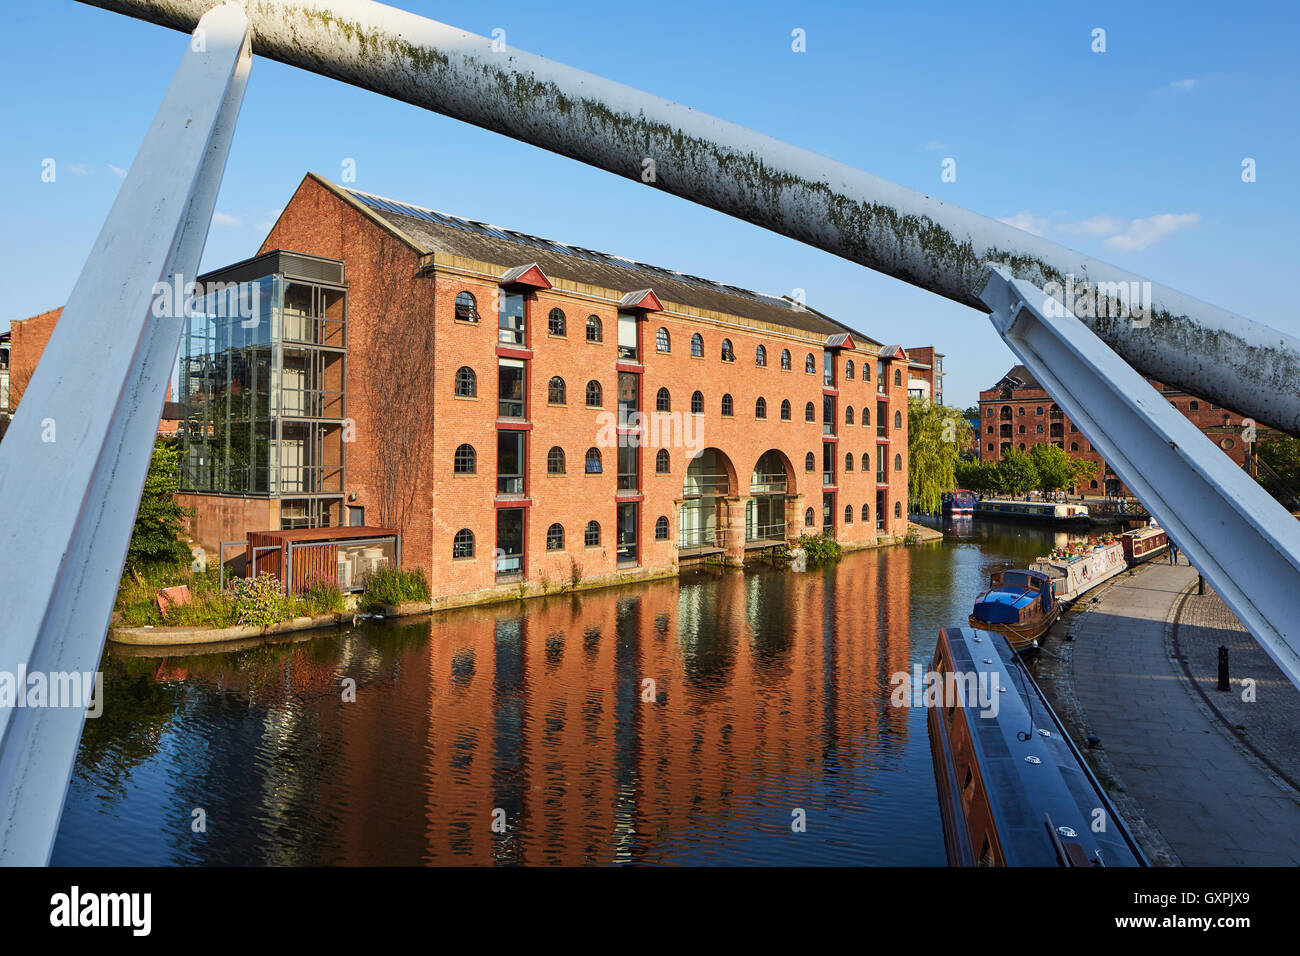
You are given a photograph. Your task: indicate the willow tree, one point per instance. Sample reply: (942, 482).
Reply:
(935, 437)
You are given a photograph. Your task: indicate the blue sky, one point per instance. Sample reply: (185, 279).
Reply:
(1133, 155)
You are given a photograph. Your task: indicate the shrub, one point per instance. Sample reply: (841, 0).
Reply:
(389, 587)
(260, 601)
(820, 548)
(321, 595)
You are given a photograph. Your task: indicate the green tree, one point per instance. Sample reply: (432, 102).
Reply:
(1016, 473)
(1082, 471)
(1053, 467)
(1280, 471)
(935, 435)
(160, 522)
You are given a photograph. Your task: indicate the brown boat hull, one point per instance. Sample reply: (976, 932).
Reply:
(1020, 636)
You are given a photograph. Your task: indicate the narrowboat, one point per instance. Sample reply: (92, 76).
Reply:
(1019, 604)
(1053, 512)
(1082, 565)
(959, 502)
(1143, 544)
(1013, 788)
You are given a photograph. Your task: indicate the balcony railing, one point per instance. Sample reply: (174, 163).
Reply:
(510, 408)
(828, 478)
(310, 479)
(510, 484)
(768, 485)
(706, 485)
(768, 532)
(702, 538)
(311, 403)
(300, 326)
(628, 481)
(882, 430)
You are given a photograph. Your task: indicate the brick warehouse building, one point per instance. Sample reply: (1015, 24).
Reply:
(1018, 412)
(529, 414)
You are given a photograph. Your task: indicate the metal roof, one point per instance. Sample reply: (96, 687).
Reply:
(452, 235)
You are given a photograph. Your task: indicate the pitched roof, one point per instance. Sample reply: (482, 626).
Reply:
(1018, 377)
(430, 231)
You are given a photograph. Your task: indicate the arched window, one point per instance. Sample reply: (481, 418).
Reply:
(898, 510)
(663, 401)
(593, 394)
(848, 414)
(1040, 429)
(555, 323)
(662, 462)
(848, 461)
(593, 465)
(593, 328)
(785, 360)
(1195, 405)
(591, 536)
(462, 546)
(866, 461)
(848, 370)
(662, 342)
(1039, 412)
(760, 408)
(555, 537)
(727, 408)
(555, 391)
(866, 412)
(898, 376)
(785, 409)
(848, 514)
(466, 382)
(466, 307)
(866, 514)
(810, 462)
(898, 462)
(898, 419)
(697, 403)
(760, 357)
(866, 372)
(1022, 429)
(810, 364)
(465, 460)
(555, 461)
(728, 354)
(809, 517)
(697, 345)
(810, 412)
(1074, 446)
(661, 528)
(1020, 411)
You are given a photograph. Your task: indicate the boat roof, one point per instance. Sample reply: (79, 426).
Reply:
(1008, 594)
(1023, 794)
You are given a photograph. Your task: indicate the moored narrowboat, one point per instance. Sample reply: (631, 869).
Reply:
(1081, 565)
(959, 502)
(1052, 512)
(1019, 604)
(1013, 789)
(1143, 544)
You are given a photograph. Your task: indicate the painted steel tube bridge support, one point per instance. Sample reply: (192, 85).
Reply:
(1233, 531)
(77, 451)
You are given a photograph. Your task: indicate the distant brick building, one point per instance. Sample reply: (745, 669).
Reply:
(529, 414)
(925, 374)
(1018, 413)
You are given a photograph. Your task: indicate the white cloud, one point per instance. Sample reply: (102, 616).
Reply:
(1095, 226)
(271, 217)
(221, 219)
(936, 144)
(1128, 235)
(1027, 221)
(1143, 232)
(117, 171)
(1184, 86)
(77, 169)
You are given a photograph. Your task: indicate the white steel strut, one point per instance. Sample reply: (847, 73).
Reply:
(1233, 531)
(76, 453)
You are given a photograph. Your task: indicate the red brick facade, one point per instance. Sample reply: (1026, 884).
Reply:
(390, 280)
(1024, 415)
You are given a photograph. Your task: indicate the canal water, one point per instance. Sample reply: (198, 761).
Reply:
(717, 718)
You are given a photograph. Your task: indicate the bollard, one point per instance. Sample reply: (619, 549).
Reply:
(1223, 668)
(1200, 584)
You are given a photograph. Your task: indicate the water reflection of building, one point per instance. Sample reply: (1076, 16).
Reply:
(763, 685)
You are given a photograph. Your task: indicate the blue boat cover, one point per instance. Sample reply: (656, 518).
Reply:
(1002, 605)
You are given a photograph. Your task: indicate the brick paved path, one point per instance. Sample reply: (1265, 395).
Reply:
(1214, 804)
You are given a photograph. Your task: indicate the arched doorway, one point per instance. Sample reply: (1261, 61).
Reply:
(770, 484)
(702, 525)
